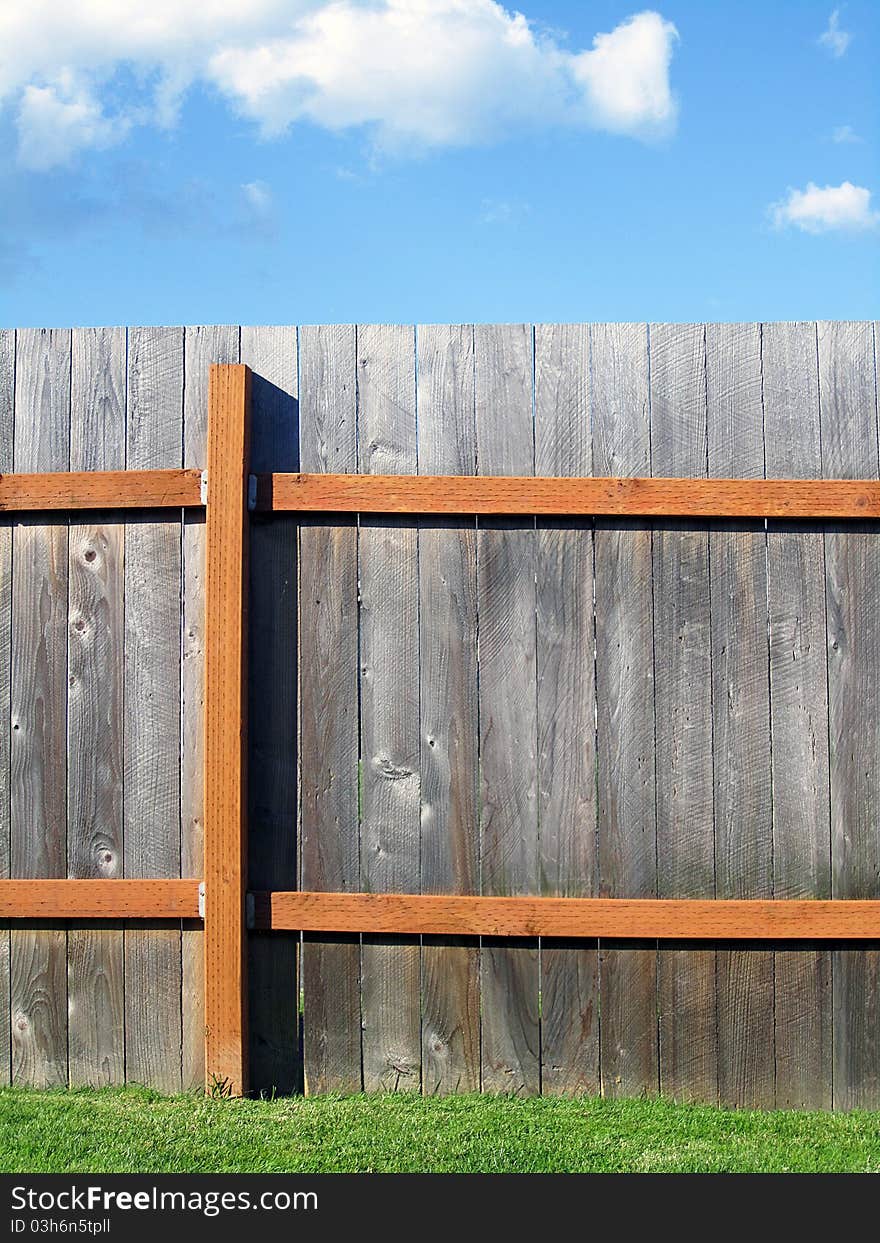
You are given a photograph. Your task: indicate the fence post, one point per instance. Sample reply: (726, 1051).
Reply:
(225, 866)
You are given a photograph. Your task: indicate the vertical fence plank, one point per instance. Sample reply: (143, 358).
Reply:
(566, 711)
(625, 698)
(683, 713)
(7, 406)
(328, 633)
(741, 716)
(151, 711)
(448, 706)
(799, 715)
(225, 748)
(852, 587)
(389, 707)
(96, 1009)
(38, 804)
(202, 346)
(272, 733)
(504, 359)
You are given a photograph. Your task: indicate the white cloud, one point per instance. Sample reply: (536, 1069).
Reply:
(436, 72)
(626, 75)
(415, 73)
(833, 38)
(845, 134)
(819, 209)
(56, 122)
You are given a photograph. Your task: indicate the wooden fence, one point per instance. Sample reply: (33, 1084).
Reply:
(553, 656)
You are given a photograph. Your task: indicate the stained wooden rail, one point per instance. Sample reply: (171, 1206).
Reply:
(456, 915)
(455, 494)
(636, 497)
(102, 489)
(99, 899)
(663, 919)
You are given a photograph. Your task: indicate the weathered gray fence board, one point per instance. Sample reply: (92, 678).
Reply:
(389, 705)
(271, 353)
(799, 715)
(96, 1007)
(510, 1049)
(683, 713)
(625, 699)
(7, 406)
(852, 569)
(328, 638)
(151, 712)
(741, 716)
(38, 796)
(566, 708)
(448, 711)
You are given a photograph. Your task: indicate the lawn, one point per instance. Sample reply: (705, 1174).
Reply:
(132, 1130)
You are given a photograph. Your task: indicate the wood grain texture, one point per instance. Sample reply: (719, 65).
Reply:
(95, 672)
(38, 801)
(225, 750)
(566, 706)
(7, 421)
(328, 632)
(670, 919)
(852, 595)
(741, 717)
(203, 346)
(799, 715)
(273, 742)
(389, 707)
(100, 489)
(683, 713)
(627, 835)
(151, 845)
(99, 899)
(449, 763)
(510, 1049)
(517, 495)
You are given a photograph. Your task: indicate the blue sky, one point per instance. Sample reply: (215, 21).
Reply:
(287, 161)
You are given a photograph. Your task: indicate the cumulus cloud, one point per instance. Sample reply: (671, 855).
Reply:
(833, 38)
(57, 121)
(626, 75)
(414, 73)
(437, 72)
(820, 209)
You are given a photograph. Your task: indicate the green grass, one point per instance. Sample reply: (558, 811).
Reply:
(133, 1130)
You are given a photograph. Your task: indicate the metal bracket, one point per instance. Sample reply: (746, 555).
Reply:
(204, 487)
(252, 492)
(249, 919)
(202, 900)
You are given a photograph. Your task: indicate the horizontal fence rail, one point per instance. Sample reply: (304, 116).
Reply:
(100, 899)
(562, 496)
(453, 494)
(455, 915)
(110, 489)
(407, 914)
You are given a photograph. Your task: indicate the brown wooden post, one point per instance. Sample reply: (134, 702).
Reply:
(225, 867)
